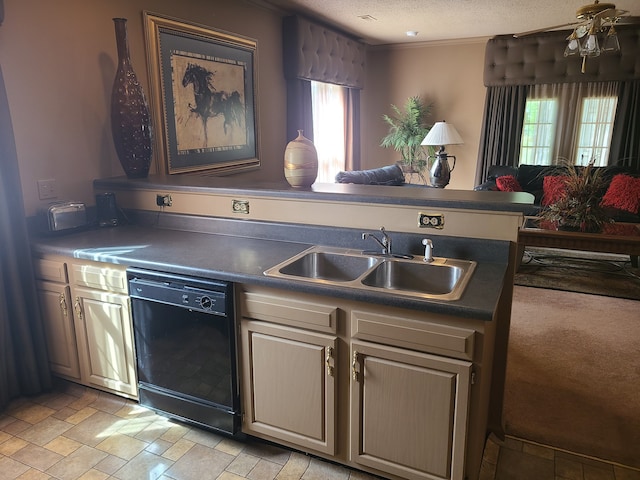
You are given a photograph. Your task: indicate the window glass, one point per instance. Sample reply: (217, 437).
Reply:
(538, 131)
(596, 128)
(329, 110)
(568, 122)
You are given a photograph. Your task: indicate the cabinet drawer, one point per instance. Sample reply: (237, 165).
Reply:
(414, 334)
(276, 309)
(52, 270)
(100, 277)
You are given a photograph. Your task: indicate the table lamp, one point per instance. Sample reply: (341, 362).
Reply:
(442, 133)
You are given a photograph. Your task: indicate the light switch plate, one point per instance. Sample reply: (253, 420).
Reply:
(47, 189)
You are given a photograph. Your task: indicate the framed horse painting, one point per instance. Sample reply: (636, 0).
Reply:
(203, 97)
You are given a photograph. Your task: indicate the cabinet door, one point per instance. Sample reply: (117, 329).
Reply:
(288, 378)
(105, 340)
(55, 305)
(408, 412)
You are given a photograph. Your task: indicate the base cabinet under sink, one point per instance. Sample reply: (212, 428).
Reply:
(291, 392)
(316, 379)
(408, 411)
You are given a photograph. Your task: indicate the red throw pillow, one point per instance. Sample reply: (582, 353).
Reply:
(623, 193)
(553, 189)
(508, 183)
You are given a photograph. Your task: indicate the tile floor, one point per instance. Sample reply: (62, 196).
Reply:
(516, 459)
(80, 433)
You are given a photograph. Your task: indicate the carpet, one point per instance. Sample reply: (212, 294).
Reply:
(573, 373)
(574, 271)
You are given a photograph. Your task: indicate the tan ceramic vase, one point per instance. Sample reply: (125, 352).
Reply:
(300, 162)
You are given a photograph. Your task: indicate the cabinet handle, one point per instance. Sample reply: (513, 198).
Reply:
(63, 304)
(354, 365)
(78, 308)
(328, 360)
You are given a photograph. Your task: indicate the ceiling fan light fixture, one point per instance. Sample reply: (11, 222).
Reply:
(573, 45)
(590, 46)
(596, 18)
(611, 43)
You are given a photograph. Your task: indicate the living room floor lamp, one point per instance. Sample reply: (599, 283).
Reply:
(442, 133)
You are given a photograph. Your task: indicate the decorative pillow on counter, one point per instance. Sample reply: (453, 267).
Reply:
(508, 183)
(623, 193)
(554, 188)
(389, 175)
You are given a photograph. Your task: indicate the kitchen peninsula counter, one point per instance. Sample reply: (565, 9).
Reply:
(230, 230)
(203, 234)
(244, 259)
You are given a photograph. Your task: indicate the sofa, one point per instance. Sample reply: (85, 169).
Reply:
(620, 195)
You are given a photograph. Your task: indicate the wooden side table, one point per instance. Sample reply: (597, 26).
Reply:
(621, 238)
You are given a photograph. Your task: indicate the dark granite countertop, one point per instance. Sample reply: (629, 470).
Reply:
(243, 260)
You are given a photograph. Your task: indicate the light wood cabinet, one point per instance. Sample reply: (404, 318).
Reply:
(291, 388)
(288, 373)
(104, 329)
(87, 318)
(105, 341)
(55, 304)
(396, 388)
(408, 411)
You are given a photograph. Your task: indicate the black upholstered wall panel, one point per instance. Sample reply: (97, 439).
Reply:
(315, 52)
(539, 58)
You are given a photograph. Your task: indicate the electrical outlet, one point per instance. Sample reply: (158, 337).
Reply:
(164, 200)
(47, 189)
(240, 206)
(431, 220)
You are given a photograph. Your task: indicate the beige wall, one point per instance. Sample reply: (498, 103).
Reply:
(59, 61)
(449, 75)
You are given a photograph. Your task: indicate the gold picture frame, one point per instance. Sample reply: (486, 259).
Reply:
(203, 97)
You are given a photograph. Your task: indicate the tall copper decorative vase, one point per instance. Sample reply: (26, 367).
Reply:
(300, 162)
(130, 119)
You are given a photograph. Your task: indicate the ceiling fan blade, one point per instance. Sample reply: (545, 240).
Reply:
(628, 20)
(538, 30)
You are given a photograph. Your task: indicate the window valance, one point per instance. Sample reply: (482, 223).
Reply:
(315, 52)
(539, 58)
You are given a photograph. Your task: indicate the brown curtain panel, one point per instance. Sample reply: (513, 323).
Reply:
(24, 369)
(625, 142)
(501, 128)
(352, 137)
(299, 113)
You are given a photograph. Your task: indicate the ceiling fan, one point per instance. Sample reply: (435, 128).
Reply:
(593, 21)
(592, 16)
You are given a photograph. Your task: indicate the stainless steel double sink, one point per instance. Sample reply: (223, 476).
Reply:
(442, 279)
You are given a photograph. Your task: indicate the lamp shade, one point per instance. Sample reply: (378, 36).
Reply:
(442, 133)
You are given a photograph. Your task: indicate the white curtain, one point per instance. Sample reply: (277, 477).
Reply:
(329, 128)
(574, 109)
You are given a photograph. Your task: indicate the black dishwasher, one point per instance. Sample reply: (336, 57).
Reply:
(186, 348)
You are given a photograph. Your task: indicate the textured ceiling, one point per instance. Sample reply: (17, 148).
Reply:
(387, 21)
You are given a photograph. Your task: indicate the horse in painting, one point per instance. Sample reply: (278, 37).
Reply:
(209, 102)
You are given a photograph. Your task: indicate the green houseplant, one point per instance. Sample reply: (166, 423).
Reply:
(407, 129)
(579, 206)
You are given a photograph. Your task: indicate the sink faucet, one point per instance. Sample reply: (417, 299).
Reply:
(385, 243)
(428, 250)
